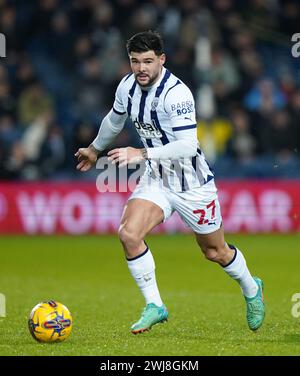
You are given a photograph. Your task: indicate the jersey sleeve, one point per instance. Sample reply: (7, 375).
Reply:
(180, 106)
(118, 106)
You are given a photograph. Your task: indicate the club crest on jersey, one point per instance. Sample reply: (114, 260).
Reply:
(154, 104)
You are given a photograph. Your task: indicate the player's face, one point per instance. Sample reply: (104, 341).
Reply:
(146, 67)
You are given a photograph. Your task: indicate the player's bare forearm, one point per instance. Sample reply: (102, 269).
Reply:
(127, 155)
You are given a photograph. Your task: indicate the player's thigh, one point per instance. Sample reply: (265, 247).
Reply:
(141, 216)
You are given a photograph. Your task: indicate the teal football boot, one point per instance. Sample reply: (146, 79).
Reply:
(256, 307)
(151, 315)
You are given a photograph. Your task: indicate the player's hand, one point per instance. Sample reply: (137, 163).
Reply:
(125, 156)
(87, 158)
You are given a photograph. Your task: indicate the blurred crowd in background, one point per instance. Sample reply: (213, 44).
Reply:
(65, 59)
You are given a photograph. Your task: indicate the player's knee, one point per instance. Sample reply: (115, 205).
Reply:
(128, 237)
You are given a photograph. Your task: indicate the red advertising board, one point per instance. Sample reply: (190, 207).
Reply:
(78, 208)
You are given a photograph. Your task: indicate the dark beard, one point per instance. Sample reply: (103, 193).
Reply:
(150, 83)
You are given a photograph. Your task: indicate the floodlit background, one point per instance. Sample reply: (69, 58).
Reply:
(64, 60)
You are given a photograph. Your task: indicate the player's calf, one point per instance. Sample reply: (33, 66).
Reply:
(132, 241)
(220, 254)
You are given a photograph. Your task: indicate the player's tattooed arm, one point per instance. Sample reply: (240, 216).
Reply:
(96, 151)
(128, 155)
(144, 153)
(87, 157)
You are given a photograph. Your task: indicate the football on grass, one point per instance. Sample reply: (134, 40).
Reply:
(50, 322)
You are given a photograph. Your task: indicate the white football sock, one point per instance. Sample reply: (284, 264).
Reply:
(142, 268)
(237, 269)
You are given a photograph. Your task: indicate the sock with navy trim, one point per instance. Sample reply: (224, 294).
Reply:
(142, 268)
(238, 270)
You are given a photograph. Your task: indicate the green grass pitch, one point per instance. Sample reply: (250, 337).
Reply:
(207, 311)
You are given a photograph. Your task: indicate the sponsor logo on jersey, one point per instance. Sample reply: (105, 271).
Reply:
(147, 130)
(185, 107)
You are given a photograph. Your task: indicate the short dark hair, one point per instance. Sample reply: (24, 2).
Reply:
(146, 41)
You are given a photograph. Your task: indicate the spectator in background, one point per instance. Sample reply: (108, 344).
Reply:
(52, 152)
(10, 28)
(42, 17)
(25, 76)
(33, 102)
(213, 137)
(12, 165)
(251, 70)
(33, 138)
(195, 21)
(81, 15)
(84, 134)
(89, 97)
(289, 16)
(261, 16)
(3, 73)
(60, 39)
(243, 40)
(243, 145)
(228, 19)
(224, 77)
(123, 12)
(182, 63)
(8, 131)
(278, 137)
(142, 18)
(295, 119)
(103, 24)
(7, 100)
(82, 49)
(287, 85)
(265, 97)
(169, 20)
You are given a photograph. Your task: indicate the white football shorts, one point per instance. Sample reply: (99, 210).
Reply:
(199, 207)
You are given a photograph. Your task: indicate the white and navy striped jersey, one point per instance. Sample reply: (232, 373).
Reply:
(159, 113)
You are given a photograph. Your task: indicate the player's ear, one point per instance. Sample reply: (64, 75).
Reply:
(162, 59)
